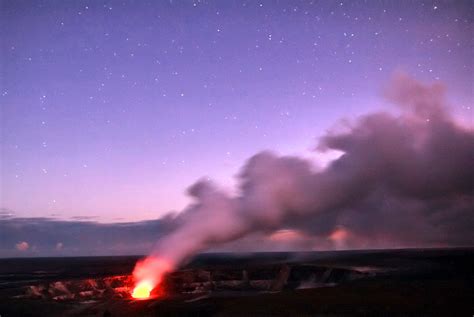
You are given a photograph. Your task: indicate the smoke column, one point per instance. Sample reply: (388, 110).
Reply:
(402, 180)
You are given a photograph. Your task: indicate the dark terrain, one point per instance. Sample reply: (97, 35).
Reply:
(413, 282)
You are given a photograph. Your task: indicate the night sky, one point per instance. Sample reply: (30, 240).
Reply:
(110, 110)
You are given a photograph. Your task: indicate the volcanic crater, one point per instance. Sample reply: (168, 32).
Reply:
(200, 281)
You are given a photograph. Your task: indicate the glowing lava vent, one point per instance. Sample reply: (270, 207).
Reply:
(142, 290)
(148, 274)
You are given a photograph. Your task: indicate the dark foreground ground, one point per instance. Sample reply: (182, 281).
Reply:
(432, 282)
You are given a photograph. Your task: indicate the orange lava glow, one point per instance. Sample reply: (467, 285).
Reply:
(142, 290)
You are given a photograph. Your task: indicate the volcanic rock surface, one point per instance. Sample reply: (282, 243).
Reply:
(200, 281)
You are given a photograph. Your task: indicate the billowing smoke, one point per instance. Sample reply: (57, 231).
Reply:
(402, 180)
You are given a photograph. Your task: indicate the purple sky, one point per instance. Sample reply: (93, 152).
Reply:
(111, 109)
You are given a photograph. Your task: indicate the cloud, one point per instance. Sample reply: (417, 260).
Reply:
(54, 237)
(286, 235)
(22, 246)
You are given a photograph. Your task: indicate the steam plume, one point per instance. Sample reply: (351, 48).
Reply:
(404, 180)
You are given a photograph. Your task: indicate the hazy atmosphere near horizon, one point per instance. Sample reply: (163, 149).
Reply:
(235, 125)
